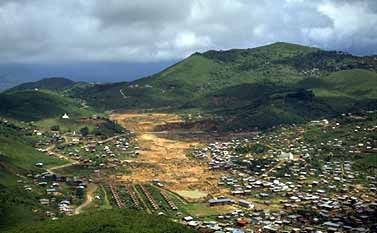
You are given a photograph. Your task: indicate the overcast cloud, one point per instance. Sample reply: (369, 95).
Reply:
(46, 31)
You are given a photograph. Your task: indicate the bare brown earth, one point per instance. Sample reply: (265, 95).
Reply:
(165, 158)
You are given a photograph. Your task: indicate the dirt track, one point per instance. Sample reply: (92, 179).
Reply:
(88, 198)
(165, 159)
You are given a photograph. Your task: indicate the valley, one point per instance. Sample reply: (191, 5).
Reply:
(279, 138)
(165, 159)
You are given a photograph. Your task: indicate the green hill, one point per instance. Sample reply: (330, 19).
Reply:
(199, 75)
(53, 84)
(31, 105)
(355, 83)
(17, 159)
(263, 85)
(114, 221)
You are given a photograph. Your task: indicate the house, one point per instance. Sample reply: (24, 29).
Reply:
(44, 201)
(241, 222)
(245, 204)
(65, 116)
(188, 218)
(286, 155)
(221, 201)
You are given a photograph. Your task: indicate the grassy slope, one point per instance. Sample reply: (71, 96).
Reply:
(30, 105)
(199, 75)
(355, 83)
(252, 87)
(53, 84)
(17, 159)
(107, 221)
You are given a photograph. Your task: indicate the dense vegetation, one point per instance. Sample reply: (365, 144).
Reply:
(108, 129)
(106, 221)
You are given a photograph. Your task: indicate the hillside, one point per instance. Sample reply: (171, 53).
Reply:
(107, 221)
(20, 208)
(31, 105)
(265, 84)
(17, 159)
(53, 84)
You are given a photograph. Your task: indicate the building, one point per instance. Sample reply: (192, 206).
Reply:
(65, 116)
(285, 155)
(245, 204)
(222, 201)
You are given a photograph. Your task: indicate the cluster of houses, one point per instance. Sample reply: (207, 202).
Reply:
(99, 154)
(59, 193)
(296, 184)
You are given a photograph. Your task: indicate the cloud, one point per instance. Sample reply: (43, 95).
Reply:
(53, 31)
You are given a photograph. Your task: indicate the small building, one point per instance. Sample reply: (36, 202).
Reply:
(188, 218)
(44, 201)
(221, 201)
(286, 155)
(241, 222)
(245, 204)
(65, 116)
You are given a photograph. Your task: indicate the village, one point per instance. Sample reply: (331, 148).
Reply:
(290, 180)
(300, 178)
(89, 159)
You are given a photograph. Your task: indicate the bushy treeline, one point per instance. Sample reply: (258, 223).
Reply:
(108, 128)
(107, 221)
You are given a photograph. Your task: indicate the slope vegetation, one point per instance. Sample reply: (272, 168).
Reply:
(269, 85)
(53, 84)
(17, 159)
(31, 105)
(114, 221)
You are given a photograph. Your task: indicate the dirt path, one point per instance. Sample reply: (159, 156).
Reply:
(88, 198)
(165, 159)
(109, 139)
(50, 149)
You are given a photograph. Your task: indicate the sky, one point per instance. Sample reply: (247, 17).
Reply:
(155, 33)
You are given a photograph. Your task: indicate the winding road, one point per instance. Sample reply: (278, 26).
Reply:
(90, 190)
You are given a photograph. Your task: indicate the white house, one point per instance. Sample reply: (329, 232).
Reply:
(65, 116)
(285, 155)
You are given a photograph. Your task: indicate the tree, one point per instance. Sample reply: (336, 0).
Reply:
(84, 131)
(55, 128)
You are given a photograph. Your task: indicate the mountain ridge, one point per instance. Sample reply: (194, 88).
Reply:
(52, 83)
(237, 84)
(265, 77)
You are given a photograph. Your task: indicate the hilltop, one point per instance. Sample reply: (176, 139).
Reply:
(31, 105)
(238, 88)
(266, 84)
(53, 84)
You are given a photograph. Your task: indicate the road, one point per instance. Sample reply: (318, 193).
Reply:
(89, 197)
(50, 149)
